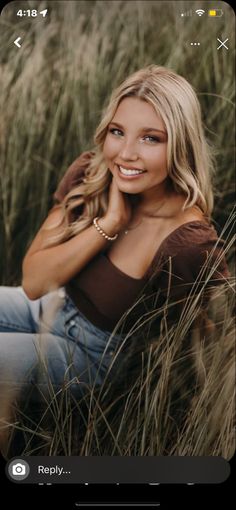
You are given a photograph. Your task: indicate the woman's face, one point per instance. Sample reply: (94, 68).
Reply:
(136, 142)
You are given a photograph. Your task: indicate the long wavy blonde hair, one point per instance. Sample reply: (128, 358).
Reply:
(189, 157)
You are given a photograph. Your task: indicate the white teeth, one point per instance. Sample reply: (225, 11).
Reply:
(125, 171)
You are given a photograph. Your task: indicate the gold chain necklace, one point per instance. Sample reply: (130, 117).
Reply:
(146, 215)
(128, 229)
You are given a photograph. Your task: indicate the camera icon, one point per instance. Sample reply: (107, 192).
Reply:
(18, 469)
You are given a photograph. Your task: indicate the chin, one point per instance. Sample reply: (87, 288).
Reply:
(126, 189)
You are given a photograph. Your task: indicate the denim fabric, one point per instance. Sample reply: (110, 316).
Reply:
(49, 344)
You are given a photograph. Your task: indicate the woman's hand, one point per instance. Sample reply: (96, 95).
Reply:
(119, 208)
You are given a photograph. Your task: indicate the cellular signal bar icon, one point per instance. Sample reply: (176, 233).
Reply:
(187, 13)
(200, 12)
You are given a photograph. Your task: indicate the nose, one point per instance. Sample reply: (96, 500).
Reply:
(128, 151)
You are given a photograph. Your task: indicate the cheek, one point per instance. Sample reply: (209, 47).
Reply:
(160, 160)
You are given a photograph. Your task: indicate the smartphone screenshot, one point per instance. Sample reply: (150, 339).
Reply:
(117, 267)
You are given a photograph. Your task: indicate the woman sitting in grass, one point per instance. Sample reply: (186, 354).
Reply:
(130, 230)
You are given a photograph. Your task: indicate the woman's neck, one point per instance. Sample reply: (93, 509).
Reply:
(153, 204)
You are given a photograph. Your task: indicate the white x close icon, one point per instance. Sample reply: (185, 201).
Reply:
(222, 43)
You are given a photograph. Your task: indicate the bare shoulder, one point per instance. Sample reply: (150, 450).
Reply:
(175, 218)
(180, 216)
(193, 214)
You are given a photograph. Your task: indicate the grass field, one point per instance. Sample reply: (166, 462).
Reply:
(52, 94)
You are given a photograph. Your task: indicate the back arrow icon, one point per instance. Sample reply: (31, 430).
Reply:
(16, 42)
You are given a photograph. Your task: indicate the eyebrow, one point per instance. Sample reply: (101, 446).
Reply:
(143, 129)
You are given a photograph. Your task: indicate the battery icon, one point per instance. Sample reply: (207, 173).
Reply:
(215, 13)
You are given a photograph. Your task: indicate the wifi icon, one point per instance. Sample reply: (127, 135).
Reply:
(200, 12)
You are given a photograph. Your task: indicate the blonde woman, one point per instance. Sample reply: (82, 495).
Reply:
(131, 220)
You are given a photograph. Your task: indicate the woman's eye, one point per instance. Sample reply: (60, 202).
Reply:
(116, 131)
(152, 138)
(113, 131)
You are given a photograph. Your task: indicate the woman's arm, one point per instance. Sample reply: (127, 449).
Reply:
(45, 269)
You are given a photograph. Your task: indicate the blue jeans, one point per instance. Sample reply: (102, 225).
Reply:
(49, 344)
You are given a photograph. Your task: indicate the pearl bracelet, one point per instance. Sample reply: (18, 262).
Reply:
(99, 229)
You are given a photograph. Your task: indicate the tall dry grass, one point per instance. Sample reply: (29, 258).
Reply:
(172, 394)
(176, 394)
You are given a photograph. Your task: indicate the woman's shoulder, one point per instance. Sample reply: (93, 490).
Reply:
(187, 228)
(191, 238)
(191, 233)
(73, 175)
(191, 246)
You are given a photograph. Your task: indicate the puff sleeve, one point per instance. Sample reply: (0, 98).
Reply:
(193, 267)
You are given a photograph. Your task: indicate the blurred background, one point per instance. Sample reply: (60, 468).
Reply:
(54, 87)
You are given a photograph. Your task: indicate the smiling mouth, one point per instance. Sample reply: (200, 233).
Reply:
(129, 173)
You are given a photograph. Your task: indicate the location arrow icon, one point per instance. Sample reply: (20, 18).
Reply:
(16, 42)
